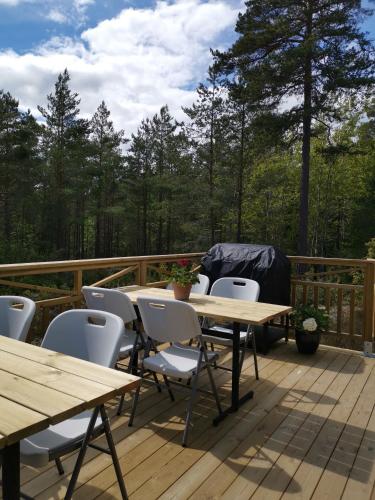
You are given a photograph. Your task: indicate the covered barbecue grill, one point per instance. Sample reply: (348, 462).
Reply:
(263, 263)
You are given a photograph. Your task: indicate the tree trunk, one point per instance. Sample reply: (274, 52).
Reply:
(211, 177)
(306, 146)
(241, 169)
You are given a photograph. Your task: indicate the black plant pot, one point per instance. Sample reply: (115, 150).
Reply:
(307, 343)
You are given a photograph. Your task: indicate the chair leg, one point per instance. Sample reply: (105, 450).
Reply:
(81, 454)
(168, 385)
(112, 449)
(131, 369)
(190, 409)
(156, 381)
(120, 405)
(59, 466)
(135, 400)
(212, 349)
(212, 382)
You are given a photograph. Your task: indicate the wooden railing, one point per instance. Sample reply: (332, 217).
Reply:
(72, 274)
(345, 287)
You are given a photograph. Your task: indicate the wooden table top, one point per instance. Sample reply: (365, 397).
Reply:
(39, 387)
(220, 308)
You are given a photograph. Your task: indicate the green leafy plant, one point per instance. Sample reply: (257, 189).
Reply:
(182, 273)
(309, 318)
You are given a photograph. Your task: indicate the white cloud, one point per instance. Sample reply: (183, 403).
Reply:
(56, 16)
(12, 3)
(136, 62)
(83, 3)
(60, 11)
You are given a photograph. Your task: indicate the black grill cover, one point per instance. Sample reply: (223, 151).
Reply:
(265, 264)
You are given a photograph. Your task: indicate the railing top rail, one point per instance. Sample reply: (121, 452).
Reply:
(25, 268)
(327, 261)
(88, 264)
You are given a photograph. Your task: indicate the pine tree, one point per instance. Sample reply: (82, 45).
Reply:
(107, 165)
(61, 117)
(19, 159)
(300, 58)
(206, 131)
(9, 125)
(139, 187)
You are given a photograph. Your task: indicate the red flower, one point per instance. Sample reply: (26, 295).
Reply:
(184, 262)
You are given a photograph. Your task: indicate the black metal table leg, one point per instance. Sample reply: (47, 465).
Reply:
(286, 327)
(236, 367)
(236, 400)
(11, 472)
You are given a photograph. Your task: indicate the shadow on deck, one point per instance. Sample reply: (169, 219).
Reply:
(309, 432)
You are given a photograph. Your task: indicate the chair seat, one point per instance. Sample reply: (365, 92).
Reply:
(177, 361)
(37, 450)
(220, 341)
(127, 343)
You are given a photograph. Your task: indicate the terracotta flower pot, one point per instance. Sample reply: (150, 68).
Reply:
(307, 342)
(181, 292)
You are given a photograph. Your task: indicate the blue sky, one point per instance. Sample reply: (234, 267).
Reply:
(137, 55)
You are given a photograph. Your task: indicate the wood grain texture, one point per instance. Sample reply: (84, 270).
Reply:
(17, 422)
(84, 369)
(39, 387)
(219, 308)
(309, 428)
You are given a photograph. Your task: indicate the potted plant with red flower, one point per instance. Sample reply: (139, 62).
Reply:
(182, 276)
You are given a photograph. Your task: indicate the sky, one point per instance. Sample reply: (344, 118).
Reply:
(136, 55)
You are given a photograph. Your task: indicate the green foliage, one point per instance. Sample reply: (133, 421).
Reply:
(311, 53)
(307, 311)
(371, 248)
(181, 273)
(72, 188)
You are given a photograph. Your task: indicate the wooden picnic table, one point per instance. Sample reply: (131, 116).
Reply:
(228, 310)
(38, 388)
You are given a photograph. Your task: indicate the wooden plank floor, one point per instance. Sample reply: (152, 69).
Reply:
(309, 432)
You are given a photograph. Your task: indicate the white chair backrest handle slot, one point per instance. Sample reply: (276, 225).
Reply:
(96, 320)
(239, 283)
(155, 305)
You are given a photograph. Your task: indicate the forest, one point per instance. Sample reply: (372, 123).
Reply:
(243, 167)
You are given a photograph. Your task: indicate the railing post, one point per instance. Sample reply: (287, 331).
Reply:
(141, 275)
(77, 282)
(369, 306)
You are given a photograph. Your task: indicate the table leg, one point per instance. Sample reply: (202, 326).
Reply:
(236, 400)
(236, 367)
(11, 472)
(286, 327)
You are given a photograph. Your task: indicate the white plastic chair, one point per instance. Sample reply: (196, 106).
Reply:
(116, 302)
(242, 289)
(93, 336)
(172, 321)
(201, 287)
(14, 320)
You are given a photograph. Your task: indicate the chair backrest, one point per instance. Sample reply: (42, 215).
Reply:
(86, 334)
(236, 288)
(201, 287)
(113, 301)
(16, 315)
(168, 320)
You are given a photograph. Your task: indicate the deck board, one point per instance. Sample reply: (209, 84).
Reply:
(308, 433)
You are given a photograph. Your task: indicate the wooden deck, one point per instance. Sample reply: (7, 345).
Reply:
(309, 432)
